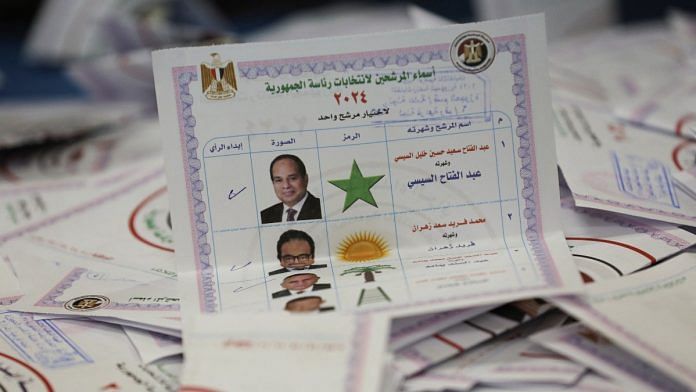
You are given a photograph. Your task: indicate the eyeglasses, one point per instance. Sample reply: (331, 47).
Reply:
(290, 258)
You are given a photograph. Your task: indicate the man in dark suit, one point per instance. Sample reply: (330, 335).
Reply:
(300, 284)
(290, 179)
(295, 251)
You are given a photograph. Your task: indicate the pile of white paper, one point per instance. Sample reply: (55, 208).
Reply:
(378, 212)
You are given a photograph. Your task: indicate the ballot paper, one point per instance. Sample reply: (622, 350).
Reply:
(67, 30)
(10, 290)
(275, 351)
(620, 168)
(590, 381)
(71, 281)
(32, 205)
(607, 245)
(131, 230)
(79, 157)
(667, 107)
(153, 346)
(590, 348)
(649, 314)
(118, 77)
(407, 330)
(50, 120)
(457, 339)
(59, 355)
(424, 187)
(611, 65)
(510, 358)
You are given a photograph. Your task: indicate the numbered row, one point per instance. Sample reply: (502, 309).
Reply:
(353, 182)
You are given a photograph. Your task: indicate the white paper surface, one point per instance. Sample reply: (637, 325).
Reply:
(93, 154)
(275, 351)
(460, 206)
(407, 330)
(591, 349)
(649, 314)
(510, 358)
(58, 281)
(607, 245)
(26, 122)
(622, 169)
(75, 355)
(153, 346)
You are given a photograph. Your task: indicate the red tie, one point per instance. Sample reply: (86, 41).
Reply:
(291, 215)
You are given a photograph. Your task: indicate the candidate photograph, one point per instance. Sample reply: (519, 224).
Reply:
(311, 304)
(295, 252)
(299, 284)
(290, 179)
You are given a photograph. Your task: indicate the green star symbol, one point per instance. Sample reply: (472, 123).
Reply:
(357, 187)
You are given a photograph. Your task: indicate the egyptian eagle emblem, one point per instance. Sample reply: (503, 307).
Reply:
(218, 79)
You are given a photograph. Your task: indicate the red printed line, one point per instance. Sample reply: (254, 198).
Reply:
(188, 388)
(41, 377)
(675, 153)
(641, 252)
(680, 124)
(131, 221)
(449, 342)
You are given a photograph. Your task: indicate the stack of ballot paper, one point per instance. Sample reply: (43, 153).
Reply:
(454, 207)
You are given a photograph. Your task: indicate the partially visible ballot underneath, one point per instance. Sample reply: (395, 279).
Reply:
(271, 352)
(401, 173)
(650, 314)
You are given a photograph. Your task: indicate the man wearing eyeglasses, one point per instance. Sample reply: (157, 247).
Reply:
(295, 250)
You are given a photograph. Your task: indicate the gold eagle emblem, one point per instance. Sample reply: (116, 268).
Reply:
(218, 78)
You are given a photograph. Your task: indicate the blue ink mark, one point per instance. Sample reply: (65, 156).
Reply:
(232, 194)
(41, 342)
(235, 268)
(242, 288)
(644, 179)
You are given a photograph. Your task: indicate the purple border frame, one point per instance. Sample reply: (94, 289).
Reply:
(514, 44)
(617, 328)
(50, 298)
(634, 207)
(6, 301)
(635, 224)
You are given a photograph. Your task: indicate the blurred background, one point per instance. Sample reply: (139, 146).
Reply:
(62, 48)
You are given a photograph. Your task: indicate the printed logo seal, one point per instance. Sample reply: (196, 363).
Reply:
(218, 80)
(87, 302)
(472, 52)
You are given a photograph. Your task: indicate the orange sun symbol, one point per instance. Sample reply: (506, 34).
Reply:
(362, 247)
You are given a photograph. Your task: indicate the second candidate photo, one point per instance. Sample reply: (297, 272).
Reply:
(295, 252)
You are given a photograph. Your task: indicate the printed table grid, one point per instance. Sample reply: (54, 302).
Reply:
(492, 127)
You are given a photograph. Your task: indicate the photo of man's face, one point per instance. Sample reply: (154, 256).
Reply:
(299, 282)
(289, 184)
(296, 254)
(307, 304)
